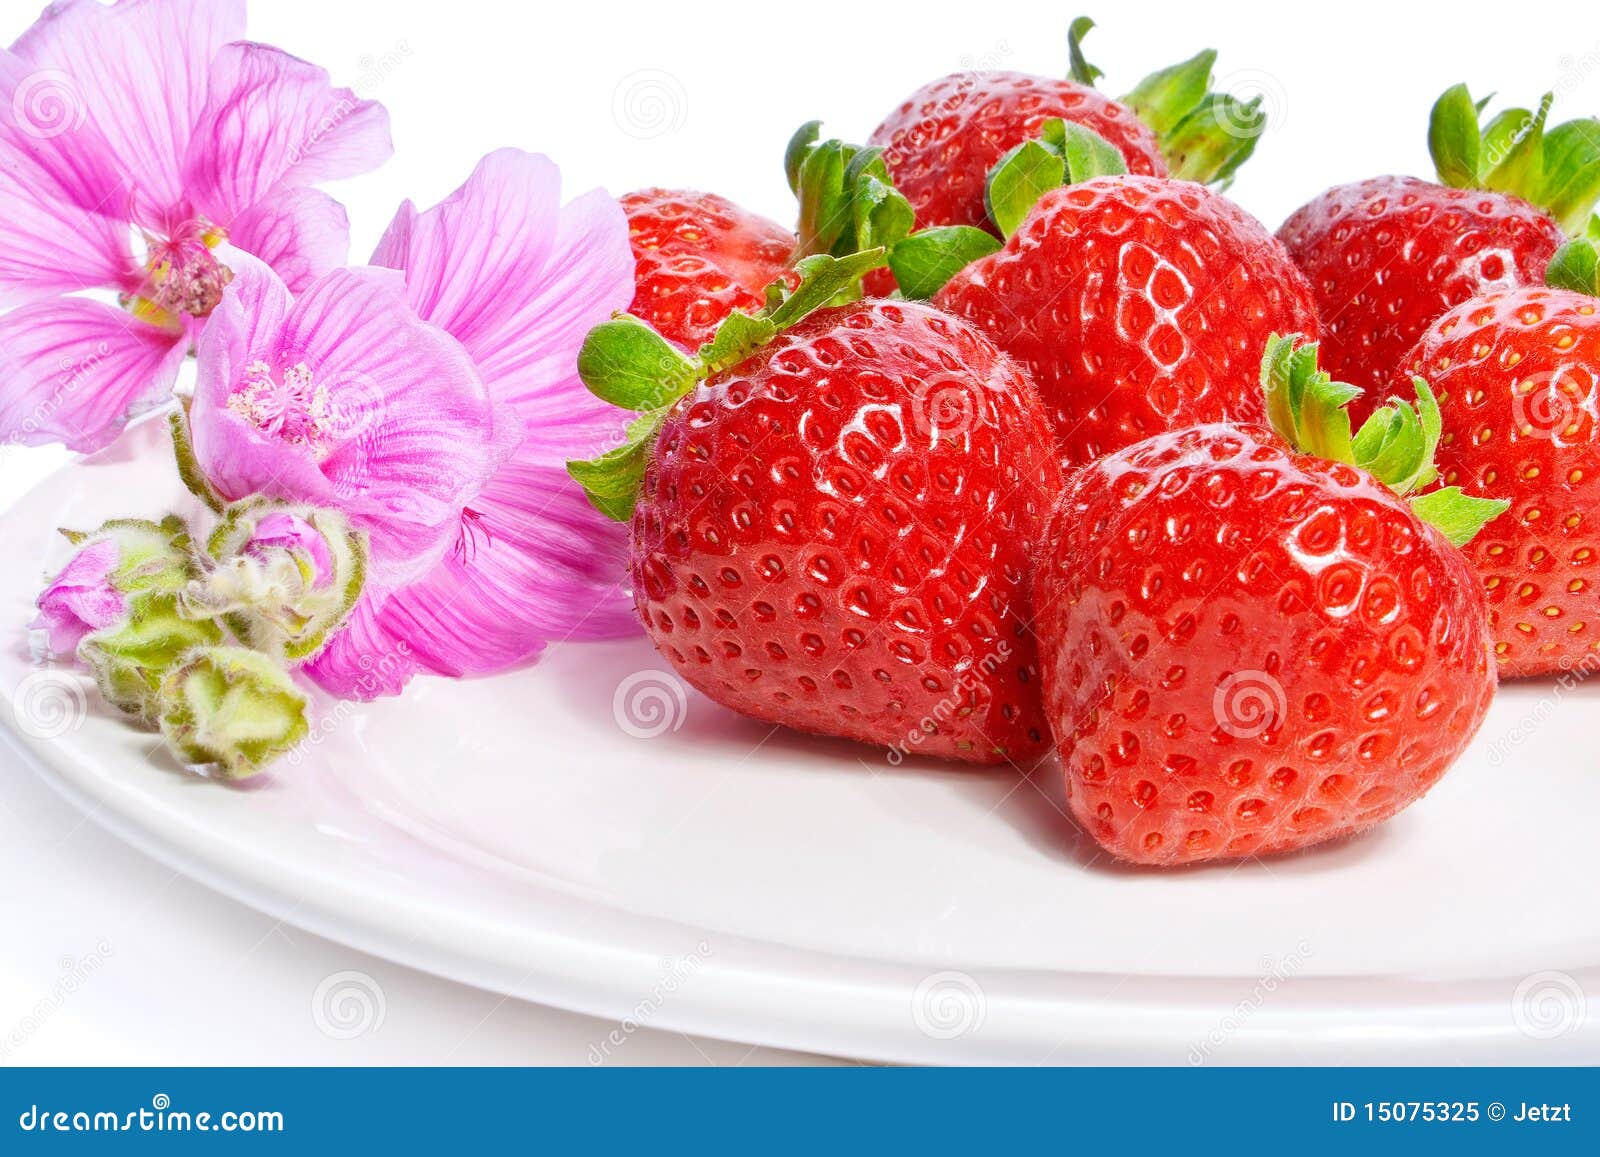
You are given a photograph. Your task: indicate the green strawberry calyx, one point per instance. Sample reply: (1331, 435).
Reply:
(1064, 153)
(1576, 265)
(1203, 135)
(1396, 445)
(625, 362)
(849, 204)
(1555, 168)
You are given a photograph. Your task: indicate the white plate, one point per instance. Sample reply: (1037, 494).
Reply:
(528, 835)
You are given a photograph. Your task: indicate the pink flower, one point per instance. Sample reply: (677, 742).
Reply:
(344, 398)
(290, 533)
(134, 139)
(81, 599)
(518, 279)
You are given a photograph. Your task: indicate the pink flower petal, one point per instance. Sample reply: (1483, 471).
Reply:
(142, 69)
(534, 564)
(362, 661)
(275, 121)
(80, 599)
(301, 233)
(519, 281)
(75, 370)
(410, 435)
(62, 227)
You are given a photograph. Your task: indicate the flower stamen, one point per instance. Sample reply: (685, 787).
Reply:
(291, 406)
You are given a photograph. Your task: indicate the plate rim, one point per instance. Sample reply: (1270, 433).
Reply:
(837, 1005)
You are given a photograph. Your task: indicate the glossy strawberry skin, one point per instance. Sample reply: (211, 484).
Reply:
(1386, 257)
(942, 141)
(698, 258)
(1518, 379)
(1138, 304)
(1247, 651)
(835, 535)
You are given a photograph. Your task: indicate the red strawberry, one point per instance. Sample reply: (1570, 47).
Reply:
(832, 522)
(1248, 649)
(1387, 256)
(944, 138)
(1138, 304)
(700, 257)
(1518, 377)
(942, 141)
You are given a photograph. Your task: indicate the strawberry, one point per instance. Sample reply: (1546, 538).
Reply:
(700, 257)
(1248, 648)
(1387, 256)
(832, 516)
(944, 138)
(1137, 303)
(1518, 376)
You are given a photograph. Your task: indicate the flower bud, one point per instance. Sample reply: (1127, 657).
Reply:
(130, 659)
(115, 606)
(233, 708)
(123, 558)
(285, 576)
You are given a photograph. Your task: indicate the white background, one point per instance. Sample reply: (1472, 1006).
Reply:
(625, 95)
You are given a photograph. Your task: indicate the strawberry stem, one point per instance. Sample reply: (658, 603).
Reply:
(625, 362)
(1396, 445)
(1556, 169)
(1576, 267)
(1203, 135)
(1064, 154)
(849, 204)
(1081, 71)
